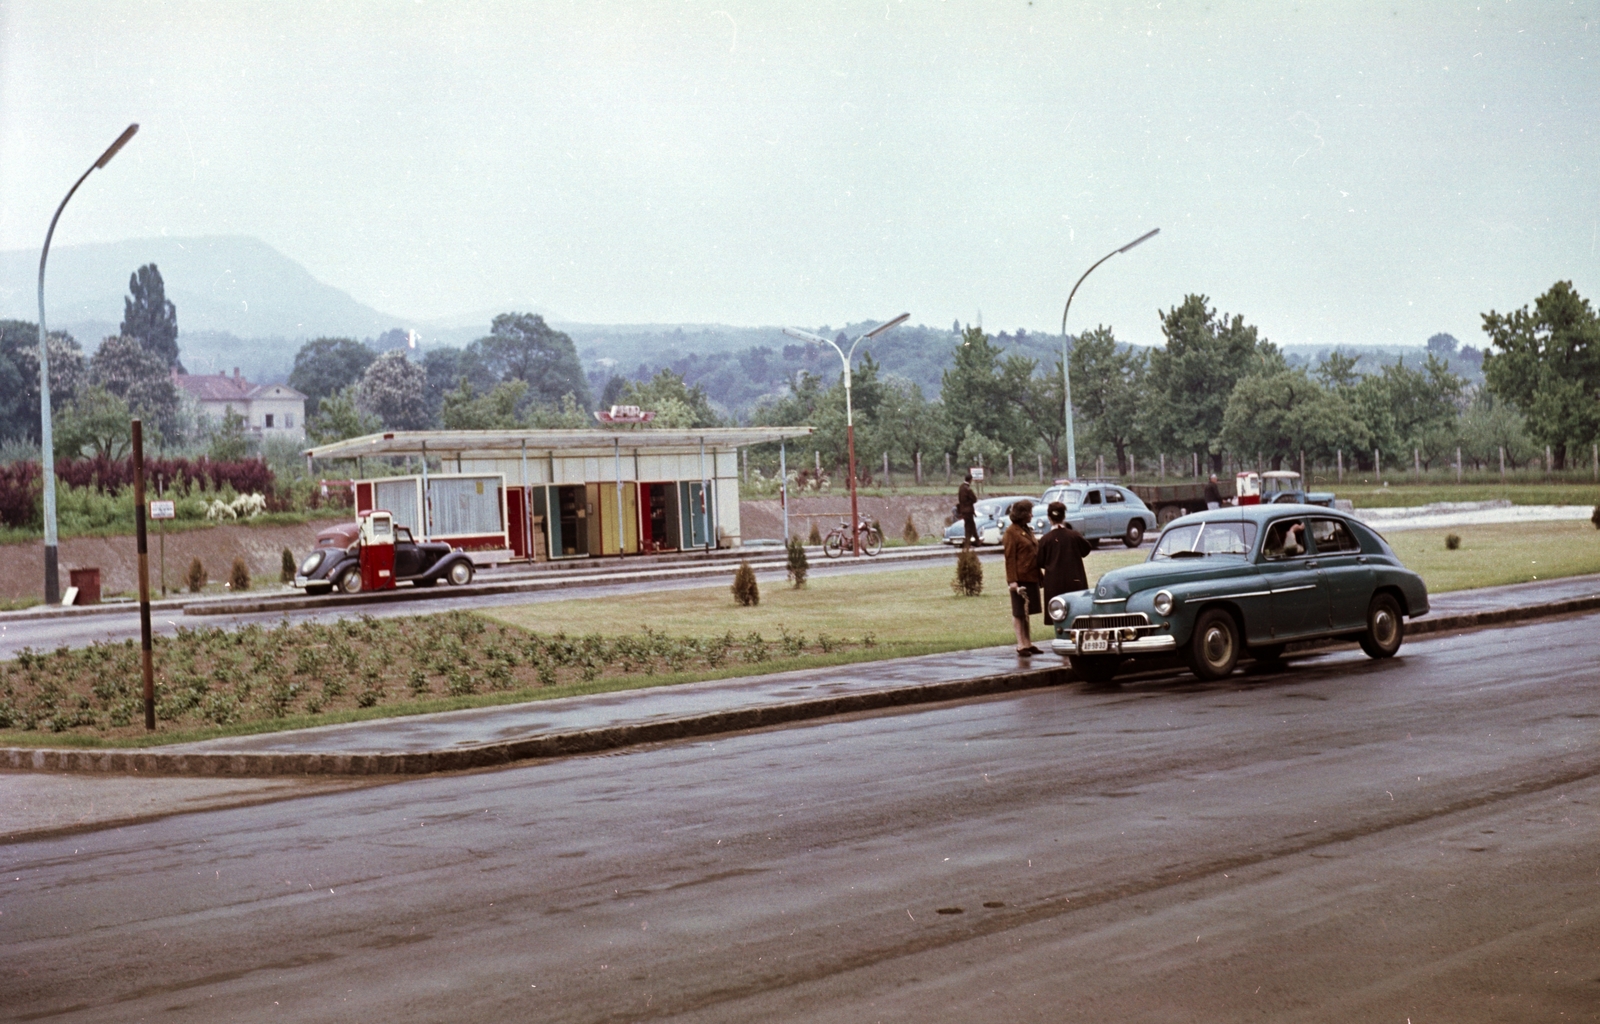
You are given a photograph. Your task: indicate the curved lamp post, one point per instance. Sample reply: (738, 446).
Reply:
(47, 455)
(1066, 375)
(849, 410)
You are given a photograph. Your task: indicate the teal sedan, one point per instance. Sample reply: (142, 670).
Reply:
(1242, 582)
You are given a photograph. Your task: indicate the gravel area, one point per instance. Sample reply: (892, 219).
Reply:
(1468, 513)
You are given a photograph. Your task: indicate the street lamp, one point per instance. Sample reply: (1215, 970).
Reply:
(47, 455)
(1066, 375)
(849, 409)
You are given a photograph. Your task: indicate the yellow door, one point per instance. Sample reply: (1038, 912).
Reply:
(606, 513)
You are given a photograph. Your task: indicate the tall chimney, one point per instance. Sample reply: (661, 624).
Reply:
(236, 371)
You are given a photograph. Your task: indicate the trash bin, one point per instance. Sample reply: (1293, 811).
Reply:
(88, 583)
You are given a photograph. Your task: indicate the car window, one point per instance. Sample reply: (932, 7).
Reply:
(1333, 536)
(1071, 497)
(1285, 539)
(1113, 495)
(1202, 539)
(402, 535)
(1093, 498)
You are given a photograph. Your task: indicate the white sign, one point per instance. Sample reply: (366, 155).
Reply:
(163, 509)
(977, 474)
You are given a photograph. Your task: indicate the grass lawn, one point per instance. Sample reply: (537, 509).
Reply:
(1503, 553)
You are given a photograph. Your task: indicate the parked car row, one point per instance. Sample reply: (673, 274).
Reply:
(1099, 511)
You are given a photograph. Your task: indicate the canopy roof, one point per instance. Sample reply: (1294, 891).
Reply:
(505, 443)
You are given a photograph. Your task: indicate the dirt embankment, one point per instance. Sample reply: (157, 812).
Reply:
(117, 558)
(765, 518)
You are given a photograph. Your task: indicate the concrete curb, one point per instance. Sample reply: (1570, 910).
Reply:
(488, 755)
(266, 763)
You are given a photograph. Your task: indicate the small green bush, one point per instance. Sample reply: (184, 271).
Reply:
(969, 573)
(814, 538)
(239, 576)
(196, 577)
(1452, 541)
(1595, 519)
(286, 574)
(910, 534)
(745, 589)
(799, 565)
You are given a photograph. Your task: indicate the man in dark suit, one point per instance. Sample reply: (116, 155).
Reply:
(966, 506)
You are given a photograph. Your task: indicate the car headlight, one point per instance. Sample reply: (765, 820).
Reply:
(313, 560)
(1057, 608)
(1162, 602)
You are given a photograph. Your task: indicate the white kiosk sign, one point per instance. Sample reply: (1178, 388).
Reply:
(163, 509)
(977, 474)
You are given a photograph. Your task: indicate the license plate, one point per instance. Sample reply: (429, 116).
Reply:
(1095, 642)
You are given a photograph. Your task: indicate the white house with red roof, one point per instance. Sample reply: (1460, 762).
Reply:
(269, 410)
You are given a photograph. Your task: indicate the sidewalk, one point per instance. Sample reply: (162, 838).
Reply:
(484, 737)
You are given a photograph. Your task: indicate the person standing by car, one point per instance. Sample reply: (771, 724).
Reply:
(1022, 574)
(966, 505)
(1061, 554)
(1213, 493)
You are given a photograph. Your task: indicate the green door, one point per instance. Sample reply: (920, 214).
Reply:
(1350, 578)
(1299, 586)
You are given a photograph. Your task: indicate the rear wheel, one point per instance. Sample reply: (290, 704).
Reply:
(1096, 668)
(833, 545)
(1168, 513)
(1385, 630)
(1214, 647)
(871, 541)
(350, 580)
(1134, 535)
(460, 574)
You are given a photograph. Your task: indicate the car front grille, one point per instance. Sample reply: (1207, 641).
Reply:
(1110, 621)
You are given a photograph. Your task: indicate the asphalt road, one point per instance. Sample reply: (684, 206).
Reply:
(45, 634)
(1341, 840)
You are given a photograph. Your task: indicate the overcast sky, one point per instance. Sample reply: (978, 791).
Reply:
(1336, 172)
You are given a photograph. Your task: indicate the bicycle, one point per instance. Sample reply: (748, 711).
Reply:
(838, 540)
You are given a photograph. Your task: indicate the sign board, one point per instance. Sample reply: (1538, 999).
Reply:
(163, 509)
(977, 474)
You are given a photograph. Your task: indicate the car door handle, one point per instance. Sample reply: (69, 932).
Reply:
(1362, 559)
(1312, 564)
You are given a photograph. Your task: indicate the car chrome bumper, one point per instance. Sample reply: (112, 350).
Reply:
(1151, 643)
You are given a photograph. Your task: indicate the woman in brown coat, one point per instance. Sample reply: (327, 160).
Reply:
(1022, 574)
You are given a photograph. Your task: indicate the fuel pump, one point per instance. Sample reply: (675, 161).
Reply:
(377, 551)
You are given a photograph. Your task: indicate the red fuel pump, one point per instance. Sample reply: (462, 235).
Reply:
(377, 551)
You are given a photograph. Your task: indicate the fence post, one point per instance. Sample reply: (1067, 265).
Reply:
(1416, 464)
(1597, 463)
(1548, 462)
(1196, 457)
(1304, 481)
(1458, 465)
(1377, 466)
(744, 454)
(919, 468)
(819, 464)
(1502, 464)
(886, 469)
(1011, 470)
(1163, 465)
(1041, 466)
(947, 469)
(1340, 456)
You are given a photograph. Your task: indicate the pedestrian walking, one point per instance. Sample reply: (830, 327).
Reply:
(1213, 493)
(966, 507)
(1061, 554)
(1022, 574)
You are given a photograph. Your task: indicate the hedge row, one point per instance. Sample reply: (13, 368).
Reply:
(21, 482)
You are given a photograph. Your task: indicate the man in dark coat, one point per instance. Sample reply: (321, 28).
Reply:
(1213, 493)
(966, 506)
(1061, 554)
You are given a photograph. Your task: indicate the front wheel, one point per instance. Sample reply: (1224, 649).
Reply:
(350, 580)
(1095, 668)
(460, 574)
(1385, 630)
(1135, 533)
(871, 541)
(833, 545)
(1214, 647)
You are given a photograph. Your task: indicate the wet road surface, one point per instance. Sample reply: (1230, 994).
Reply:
(1341, 840)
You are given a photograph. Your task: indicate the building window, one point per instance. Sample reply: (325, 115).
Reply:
(288, 420)
(268, 422)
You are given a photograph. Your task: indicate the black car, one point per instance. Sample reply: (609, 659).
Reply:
(335, 562)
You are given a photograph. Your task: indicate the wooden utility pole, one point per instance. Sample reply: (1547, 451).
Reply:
(144, 577)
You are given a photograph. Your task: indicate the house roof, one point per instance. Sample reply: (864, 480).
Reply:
(506, 443)
(219, 387)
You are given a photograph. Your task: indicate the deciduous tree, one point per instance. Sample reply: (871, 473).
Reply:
(326, 366)
(1547, 362)
(393, 389)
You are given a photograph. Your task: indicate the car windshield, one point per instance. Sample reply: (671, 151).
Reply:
(1072, 497)
(998, 507)
(1197, 540)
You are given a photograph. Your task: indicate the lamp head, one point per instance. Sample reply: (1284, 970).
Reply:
(122, 140)
(1142, 238)
(795, 332)
(887, 325)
